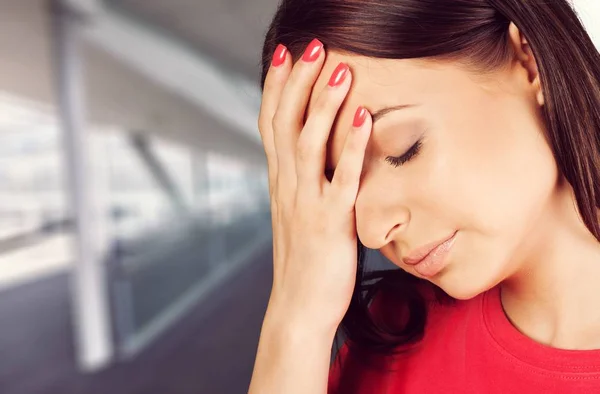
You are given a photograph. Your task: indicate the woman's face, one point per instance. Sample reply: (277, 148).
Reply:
(484, 168)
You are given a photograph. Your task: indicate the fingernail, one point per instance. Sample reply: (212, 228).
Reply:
(279, 55)
(312, 51)
(359, 117)
(338, 75)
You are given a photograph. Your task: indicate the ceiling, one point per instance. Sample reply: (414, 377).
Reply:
(116, 94)
(228, 31)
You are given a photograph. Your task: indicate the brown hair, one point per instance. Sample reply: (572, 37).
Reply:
(475, 33)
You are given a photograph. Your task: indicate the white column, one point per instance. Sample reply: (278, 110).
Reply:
(89, 291)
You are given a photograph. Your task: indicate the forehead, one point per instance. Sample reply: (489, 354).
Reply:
(376, 83)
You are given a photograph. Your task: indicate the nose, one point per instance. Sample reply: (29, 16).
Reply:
(380, 217)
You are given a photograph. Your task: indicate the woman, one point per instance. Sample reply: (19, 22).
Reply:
(461, 138)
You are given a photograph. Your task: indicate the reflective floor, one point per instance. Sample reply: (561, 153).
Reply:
(211, 350)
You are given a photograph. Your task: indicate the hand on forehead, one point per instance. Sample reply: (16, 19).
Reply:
(376, 83)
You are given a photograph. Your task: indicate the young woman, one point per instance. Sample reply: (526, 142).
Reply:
(461, 138)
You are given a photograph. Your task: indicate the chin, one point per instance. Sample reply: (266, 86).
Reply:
(476, 269)
(462, 293)
(462, 285)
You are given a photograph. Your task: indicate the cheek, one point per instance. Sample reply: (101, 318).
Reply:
(493, 184)
(500, 171)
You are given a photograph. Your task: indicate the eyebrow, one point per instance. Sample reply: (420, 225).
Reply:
(384, 111)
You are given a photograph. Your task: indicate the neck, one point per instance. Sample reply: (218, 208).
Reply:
(554, 295)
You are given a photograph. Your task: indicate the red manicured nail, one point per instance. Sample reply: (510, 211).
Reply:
(359, 117)
(339, 74)
(312, 51)
(279, 55)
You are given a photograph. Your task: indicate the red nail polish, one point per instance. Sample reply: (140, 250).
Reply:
(359, 117)
(279, 55)
(339, 74)
(312, 51)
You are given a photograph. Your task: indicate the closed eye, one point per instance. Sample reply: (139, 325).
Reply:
(396, 161)
(410, 154)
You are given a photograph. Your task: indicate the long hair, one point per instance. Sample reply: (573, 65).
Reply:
(474, 33)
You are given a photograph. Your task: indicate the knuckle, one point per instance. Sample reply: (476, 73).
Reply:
(302, 75)
(262, 123)
(277, 121)
(321, 105)
(323, 112)
(325, 104)
(305, 149)
(269, 148)
(285, 120)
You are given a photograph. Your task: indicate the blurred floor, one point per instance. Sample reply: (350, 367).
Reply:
(211, 350)
(32, 256)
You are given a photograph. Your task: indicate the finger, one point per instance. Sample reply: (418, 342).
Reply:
(289, 118)
(346, 178)
(311, 148)
(279, 71)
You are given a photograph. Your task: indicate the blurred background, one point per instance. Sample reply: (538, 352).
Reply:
(135, 238)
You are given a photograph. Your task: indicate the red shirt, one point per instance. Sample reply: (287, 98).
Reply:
(471, 347)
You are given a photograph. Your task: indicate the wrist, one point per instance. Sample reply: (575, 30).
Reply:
(297, 329)
(291, 358)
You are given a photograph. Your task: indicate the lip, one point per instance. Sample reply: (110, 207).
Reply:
(419, 254)
(435, 261)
